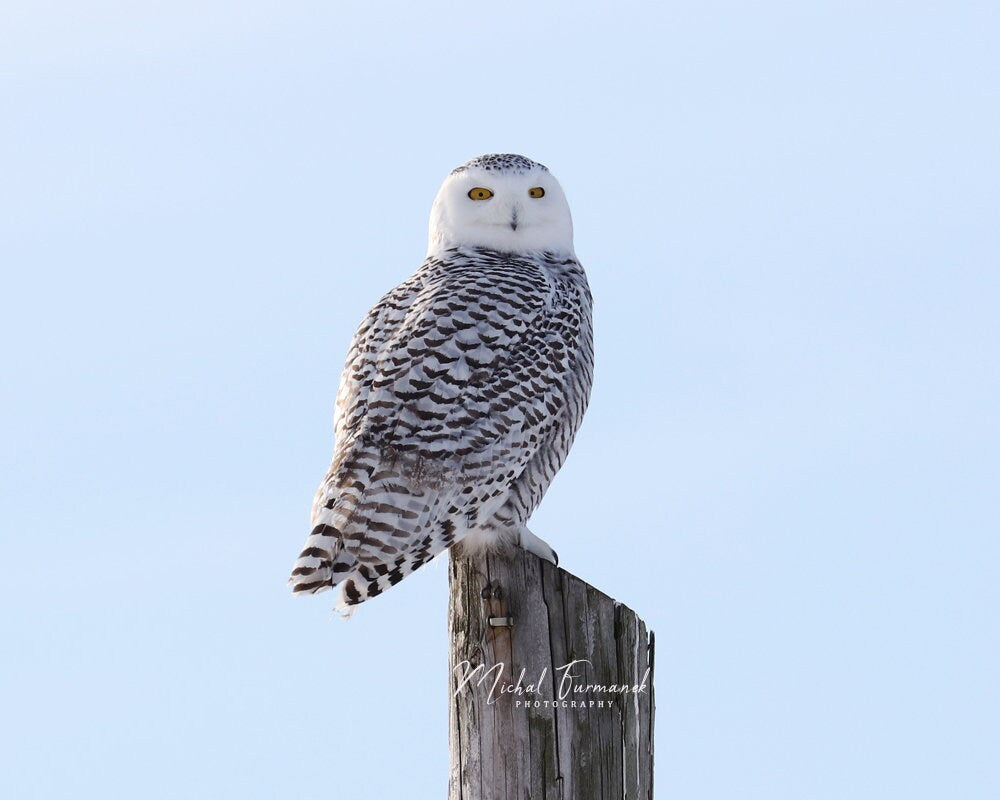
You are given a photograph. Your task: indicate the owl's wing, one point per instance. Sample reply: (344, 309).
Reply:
(474, 364)
(452, 383)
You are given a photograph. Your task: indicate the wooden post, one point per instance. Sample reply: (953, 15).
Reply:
(522, 724)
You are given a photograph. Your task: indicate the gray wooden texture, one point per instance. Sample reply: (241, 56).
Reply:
(594, 742)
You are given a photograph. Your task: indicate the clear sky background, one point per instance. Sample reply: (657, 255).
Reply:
(789, 216)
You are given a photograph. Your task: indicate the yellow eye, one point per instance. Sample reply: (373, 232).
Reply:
(480, 193)
(538, 191)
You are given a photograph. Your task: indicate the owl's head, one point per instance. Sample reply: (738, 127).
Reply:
(503, 202)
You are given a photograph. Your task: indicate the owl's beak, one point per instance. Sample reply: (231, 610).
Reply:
(513, 218)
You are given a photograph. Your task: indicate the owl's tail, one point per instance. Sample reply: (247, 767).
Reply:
(368, 580)
(367, 537)
(323, 562)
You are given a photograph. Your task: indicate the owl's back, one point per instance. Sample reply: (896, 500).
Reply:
(462, 392)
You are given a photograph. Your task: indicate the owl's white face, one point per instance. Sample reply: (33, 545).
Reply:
(502, 202)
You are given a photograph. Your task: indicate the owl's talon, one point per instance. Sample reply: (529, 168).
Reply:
(538, 546)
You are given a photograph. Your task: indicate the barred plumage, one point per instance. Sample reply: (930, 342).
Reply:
(463, 389)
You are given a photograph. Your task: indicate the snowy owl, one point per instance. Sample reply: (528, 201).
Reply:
(463, 389)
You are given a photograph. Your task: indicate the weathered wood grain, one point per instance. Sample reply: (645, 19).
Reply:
(546, 744)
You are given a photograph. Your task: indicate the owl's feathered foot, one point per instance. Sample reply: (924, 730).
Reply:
(538, 546)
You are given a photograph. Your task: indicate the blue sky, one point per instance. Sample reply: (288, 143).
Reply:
(788, 213)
